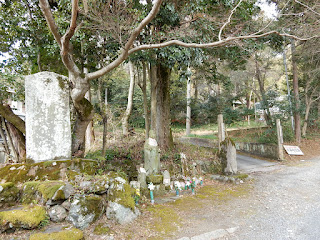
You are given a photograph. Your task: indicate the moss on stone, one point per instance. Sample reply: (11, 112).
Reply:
(71, 174)
(123, 197)
(68, 234)
(155, 179)
(46, 170)
(31, 190)
(61, 82)
(9, 194)
(29, 217)
(92, 204)
(101, 229)
(49, 188)
(7, 185)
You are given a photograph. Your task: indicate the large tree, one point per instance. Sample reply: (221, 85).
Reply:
(113, 28)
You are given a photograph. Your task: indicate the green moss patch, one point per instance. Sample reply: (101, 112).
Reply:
(37, 190)
(101, 229)
(68, 234)
(165, 219)
(225, 192)
(29, 217)
(92, 204)
(47, 170)
(9, 194)
(155, 179)
(123, 196)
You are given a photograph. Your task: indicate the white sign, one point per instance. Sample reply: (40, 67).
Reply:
(293, 150)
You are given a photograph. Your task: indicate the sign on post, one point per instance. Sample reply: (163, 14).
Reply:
(293, 150)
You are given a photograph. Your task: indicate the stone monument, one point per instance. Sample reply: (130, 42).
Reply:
(228, 156)
(151, 155)
(48, 130)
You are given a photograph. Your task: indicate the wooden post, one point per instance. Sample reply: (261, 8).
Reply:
(280, 140)
(221, 130)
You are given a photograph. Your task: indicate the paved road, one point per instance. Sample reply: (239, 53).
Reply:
(283, 205)
(245, 163)
(249, 164)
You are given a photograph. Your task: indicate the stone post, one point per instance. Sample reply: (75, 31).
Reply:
(280, 140)
(221, 130)
(48, 128)
(151, 155)
(228, 156)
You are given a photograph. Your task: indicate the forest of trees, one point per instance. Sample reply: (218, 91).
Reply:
(143, 62)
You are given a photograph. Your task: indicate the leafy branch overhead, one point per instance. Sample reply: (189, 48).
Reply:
(235, 32)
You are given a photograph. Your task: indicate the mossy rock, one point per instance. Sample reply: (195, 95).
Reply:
(29, 217)
(86, 209)
(48, 170)
(40, 192)
(9, 194)
(68, 234)
(120, 192)
(155, 179)
(97, 184)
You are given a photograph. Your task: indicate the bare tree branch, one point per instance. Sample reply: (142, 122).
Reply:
(65, 41)
(307, 7)
(213, 44)
(45, 8)
(229, 19)
(133, 36)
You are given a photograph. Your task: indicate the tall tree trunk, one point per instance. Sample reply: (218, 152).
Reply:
(10, 141)
(89, 138)
(195, 87)
(188, 118)
(125, 119)
(84, 113)
(145, 99)
(3, 136)
(288, 87)
(103, 104)
(105, 123)
(8, 114)
(263, 94)
(297, 126)
(18, 140)
(39, 61)
(306, 117)
(15, 129)
(161, 119)
(153, 88)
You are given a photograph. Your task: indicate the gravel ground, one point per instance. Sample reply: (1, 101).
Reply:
(284, 204)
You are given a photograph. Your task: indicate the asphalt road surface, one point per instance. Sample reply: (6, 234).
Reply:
(284, 204)
(250, 164)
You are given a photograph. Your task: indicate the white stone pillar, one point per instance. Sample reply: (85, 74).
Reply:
(48, 129)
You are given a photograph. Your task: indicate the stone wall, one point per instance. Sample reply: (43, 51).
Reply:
(260, 149)
(48, 130)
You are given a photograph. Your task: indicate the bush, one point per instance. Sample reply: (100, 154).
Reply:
(270, 135)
